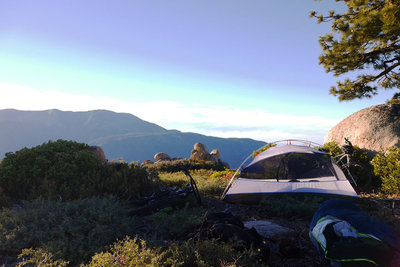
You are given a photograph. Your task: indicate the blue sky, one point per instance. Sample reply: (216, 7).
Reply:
(229, 68)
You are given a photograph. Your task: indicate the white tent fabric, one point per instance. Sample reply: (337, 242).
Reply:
(279, 150)
(253, 182)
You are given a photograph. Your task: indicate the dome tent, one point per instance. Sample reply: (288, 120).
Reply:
(287, 168)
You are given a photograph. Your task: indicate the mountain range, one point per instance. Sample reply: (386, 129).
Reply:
(121, 135)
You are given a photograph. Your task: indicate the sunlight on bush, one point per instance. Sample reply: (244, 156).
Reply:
(387, 168)
(129, 252)
(180, 164)
(39, 257)
(136, 252)
(207, 182)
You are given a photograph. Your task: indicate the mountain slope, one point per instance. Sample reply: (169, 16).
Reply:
(119, 134)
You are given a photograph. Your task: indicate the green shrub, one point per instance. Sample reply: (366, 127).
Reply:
(287, 206)
(178, 224)
(39, 257)
(209, 182)
(180, 164)
(136, 252)
(129, 252)
(67, 170)
(361, 169)
(72, 230)
(387, 168)
(209, 253)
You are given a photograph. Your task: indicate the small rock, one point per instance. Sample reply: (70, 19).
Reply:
(269, 229)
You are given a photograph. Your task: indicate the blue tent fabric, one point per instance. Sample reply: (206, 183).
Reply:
(349, 212)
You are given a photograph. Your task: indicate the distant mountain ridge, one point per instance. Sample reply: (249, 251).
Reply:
(119, 134)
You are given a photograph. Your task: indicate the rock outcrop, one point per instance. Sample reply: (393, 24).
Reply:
(99, 153)
(374, 128)
(202, 150)
(161, 156)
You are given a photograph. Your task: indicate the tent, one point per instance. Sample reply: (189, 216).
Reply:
(289, 168)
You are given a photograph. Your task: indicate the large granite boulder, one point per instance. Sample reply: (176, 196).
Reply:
(202, 150)
(374, 128)
(161, 156)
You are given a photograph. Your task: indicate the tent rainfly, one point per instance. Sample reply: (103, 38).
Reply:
(285, 169)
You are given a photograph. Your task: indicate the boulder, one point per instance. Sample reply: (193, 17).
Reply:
(269, 229)
(195, 155)
(215, 152)
(99, 153)
(202, 149)
(213, 158)
(161, 156)
(374, 128)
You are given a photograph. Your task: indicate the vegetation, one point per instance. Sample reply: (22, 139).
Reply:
(72, 230)
(67, 170)
(82, 216)
(180, 164)
(209, 183)
(364, 37)
(360, 167)
(287, 206)
(387, 168)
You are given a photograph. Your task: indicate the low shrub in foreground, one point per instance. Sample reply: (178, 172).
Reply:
(136, 252)
(72, 231)
(67, 170)
(387, 168)
(177, 225)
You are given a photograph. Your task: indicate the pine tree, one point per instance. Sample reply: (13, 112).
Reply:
(364, 39)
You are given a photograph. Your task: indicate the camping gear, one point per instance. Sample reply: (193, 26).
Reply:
(342, 233)
(165, 200)
(226, 227)
(288, 166)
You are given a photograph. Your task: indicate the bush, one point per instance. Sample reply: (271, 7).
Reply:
(136, 252)
(208, 182)
(39, 257)
(72, 230)
(67, 170)
(178, 224)
(129, 252)
(361, 169)
(287, 206)
(387, 168)
(180, 164)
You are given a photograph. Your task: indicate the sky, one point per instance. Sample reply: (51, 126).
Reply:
(228, 68)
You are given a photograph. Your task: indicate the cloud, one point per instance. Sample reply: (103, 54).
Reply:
(223, 121)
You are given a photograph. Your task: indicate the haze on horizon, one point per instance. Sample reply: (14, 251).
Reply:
(221, 68)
